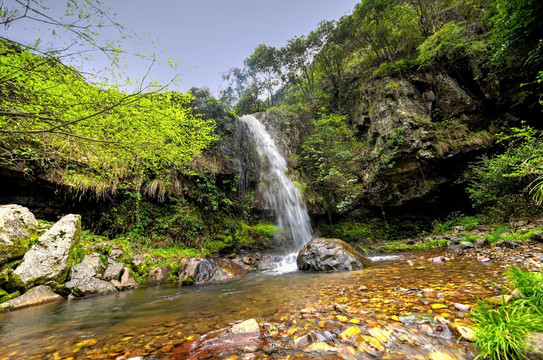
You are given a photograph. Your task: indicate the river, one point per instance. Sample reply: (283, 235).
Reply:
(156, 319)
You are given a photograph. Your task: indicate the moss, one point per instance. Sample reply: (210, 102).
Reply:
(9, 297)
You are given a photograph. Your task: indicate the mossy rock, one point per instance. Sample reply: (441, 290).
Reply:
(60, 289)
(189, 280)
(10, 296)
(14, 282)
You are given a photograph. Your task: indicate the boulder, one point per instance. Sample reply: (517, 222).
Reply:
(200, 270)
(90, 286)
(127, 280)
(323, 254)
(159, 275)
(48, 259)
(16, 224)
(113, 271)
(38, 295)
(482, 243)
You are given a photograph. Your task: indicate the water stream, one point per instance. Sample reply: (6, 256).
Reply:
(284, 198)
(153, 320)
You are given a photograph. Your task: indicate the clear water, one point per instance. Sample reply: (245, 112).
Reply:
(280, 192)
(146, 318)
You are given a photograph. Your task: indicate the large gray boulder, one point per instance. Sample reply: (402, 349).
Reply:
(17, 223)
(38, 295)
(199, 270)
(90, 286)
(323, 254)
(48, 259)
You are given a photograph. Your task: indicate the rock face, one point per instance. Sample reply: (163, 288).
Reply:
(16, 224)
(48, 258)
(200, 270)
(38, 295)
(323, 254)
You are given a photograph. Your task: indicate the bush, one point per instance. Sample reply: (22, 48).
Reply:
(501, 333)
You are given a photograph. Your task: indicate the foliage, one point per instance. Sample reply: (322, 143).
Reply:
(516, 169)
(333, 156)
(530, 285)
(501, 333)
(513, 22)
(444, 45)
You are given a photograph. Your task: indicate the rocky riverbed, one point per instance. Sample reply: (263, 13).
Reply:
(413, 307)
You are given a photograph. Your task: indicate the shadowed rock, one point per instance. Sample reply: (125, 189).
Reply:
(323, 254)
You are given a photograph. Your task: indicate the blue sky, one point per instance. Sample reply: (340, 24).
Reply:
(207, 37)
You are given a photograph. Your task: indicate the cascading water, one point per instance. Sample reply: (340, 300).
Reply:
(281, 193)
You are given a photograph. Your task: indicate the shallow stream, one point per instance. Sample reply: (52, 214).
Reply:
(154, 320)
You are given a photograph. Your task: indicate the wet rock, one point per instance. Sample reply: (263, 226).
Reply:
(323, 254)
(462, 307)
(89, 287)
(416, 319)
(482, 243)
(127, 280)
(38, 295)
(159, 275)
(453, 247)
(534, 348)
(463, 331)
(437, 259)
(17, 223)
(113, 271)
(201, 270)
(48, 258)
(246, 327)
(507, 244)
(537, 236)
(219, 344)
(466, 245)
(350, 333)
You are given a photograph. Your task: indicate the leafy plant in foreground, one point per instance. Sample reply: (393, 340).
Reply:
(501, 333)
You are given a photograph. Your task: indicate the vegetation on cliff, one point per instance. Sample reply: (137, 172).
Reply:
(397, 88)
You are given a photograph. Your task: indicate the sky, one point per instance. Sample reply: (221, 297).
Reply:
(203, 37)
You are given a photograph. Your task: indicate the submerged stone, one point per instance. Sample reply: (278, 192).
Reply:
(323, 254)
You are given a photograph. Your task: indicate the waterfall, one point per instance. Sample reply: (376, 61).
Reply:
(280, 192)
